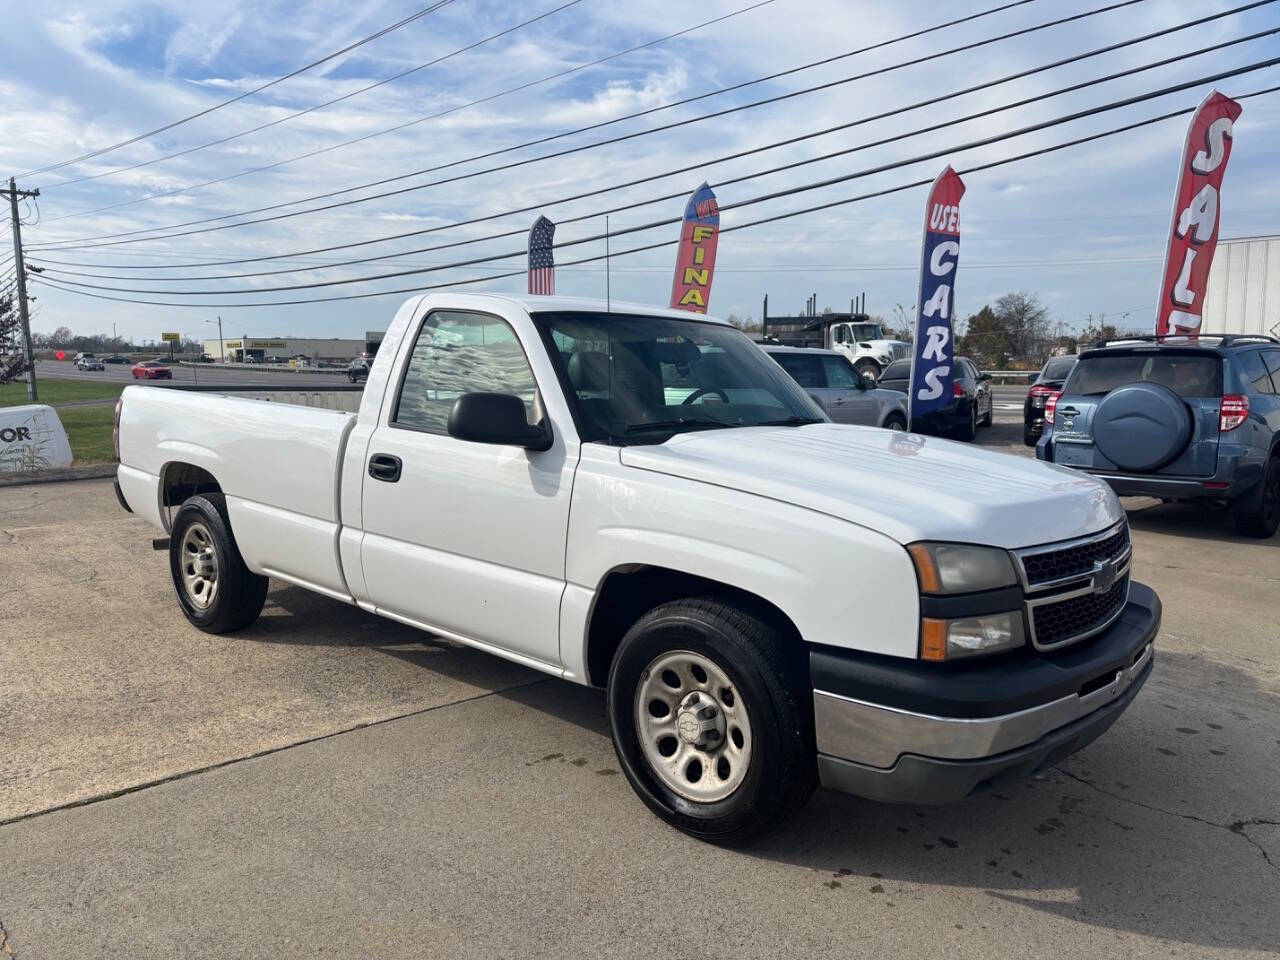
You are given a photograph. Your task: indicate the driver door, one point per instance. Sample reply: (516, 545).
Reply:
(466, 538)
(848, 399)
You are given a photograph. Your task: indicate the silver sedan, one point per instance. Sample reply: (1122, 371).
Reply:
(843, 394)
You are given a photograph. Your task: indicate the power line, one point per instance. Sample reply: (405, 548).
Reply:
(86, 241)
(742, 203)
(431, 8)
(320, 106)
(434, 116)
(759, 173)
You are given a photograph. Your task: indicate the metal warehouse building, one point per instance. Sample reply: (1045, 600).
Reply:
(282, 349)
(1243, 295)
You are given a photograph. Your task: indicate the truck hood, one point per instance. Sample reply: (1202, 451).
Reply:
(903, 485)
(894, 347)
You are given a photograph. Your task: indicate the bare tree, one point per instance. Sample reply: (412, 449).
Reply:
(1026, 323)
(13, 363)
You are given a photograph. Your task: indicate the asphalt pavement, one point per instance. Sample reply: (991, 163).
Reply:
(327, 783)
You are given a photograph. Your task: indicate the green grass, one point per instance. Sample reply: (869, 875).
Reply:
(89, 431)
(88, 428)
(60, 391)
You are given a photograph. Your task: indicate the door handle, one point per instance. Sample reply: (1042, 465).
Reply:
(385, 467)
(838, 400)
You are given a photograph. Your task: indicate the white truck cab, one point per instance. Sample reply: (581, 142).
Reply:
(642, 500)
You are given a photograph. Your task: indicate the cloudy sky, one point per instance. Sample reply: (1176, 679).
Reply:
(1084, 228)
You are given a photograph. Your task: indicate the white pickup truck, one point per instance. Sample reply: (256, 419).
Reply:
(642, 500)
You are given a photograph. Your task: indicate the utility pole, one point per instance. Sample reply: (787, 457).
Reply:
(21, 274)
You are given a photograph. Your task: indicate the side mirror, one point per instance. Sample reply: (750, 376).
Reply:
(496, 418)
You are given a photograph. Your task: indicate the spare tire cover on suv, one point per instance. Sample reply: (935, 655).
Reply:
(1141, 426)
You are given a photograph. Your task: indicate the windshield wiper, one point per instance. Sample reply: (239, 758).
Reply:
(684, 423)
(790, 422)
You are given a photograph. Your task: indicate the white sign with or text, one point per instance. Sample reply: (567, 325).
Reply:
(32, 438)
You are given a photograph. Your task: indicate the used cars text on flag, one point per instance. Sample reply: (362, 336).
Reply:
(542, 267)
(934, 347)
(696, 257)
(1193, 235)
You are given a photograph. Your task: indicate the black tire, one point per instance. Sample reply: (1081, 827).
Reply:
(990, 414)
(969, 430)
(240, 592)
(895, 421)
(769, 675)
(1030, 437)
(1259, 514)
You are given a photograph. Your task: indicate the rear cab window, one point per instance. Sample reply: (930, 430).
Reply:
(1188, 374)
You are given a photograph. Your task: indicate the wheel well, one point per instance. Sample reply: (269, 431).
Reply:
(179, 481)
(627, 593)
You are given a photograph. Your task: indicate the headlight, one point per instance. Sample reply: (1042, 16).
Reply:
(970, 636)
(960, 568)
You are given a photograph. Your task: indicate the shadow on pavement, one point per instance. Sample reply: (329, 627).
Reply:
(1192, 520)
(1069, 844)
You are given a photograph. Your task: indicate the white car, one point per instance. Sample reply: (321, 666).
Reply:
(642, 500)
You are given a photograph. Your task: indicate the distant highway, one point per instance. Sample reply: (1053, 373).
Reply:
(207, 374)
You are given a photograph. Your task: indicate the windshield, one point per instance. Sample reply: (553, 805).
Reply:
(1186, 374)
(635, 379)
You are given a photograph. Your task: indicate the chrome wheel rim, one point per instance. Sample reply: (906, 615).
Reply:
(896, 426)
(693, 726)
(199, 566)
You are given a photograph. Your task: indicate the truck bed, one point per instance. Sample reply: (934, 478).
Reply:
(278, 464)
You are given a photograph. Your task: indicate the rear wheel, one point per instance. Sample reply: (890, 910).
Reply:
(895, 421)
(1030, 437)
(712, 719)
(216, 591)
(1259, 515)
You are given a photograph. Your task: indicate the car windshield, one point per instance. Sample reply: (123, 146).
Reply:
(638, 379)
(863, 332)
(1186, 374)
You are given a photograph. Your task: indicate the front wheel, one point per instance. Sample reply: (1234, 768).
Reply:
(711, 717)
(990, 414)
(216, 590)
(1259, 515)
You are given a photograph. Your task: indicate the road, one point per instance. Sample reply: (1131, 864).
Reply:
(204, 374)
(328, 783)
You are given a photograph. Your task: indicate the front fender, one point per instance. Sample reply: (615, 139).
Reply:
(842, 585)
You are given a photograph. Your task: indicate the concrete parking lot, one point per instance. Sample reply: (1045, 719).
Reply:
(330, 784)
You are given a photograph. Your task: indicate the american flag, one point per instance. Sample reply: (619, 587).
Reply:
(542, 267)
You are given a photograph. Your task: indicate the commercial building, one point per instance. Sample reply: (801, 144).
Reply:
(1243, 295)
(282, 349)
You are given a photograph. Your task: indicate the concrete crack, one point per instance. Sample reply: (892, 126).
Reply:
(1238, 827)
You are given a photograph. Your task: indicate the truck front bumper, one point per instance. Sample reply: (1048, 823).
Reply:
(921, 733)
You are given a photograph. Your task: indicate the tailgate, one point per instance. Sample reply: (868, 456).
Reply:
(1193, 376)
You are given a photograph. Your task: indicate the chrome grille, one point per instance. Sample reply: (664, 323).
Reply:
(1075, 560)
(1056, 623)
(1077, 588)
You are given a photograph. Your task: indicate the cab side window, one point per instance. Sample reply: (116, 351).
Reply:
(805, 369)
(1272, 359)
(457, 353)
(840, 374)
(1254, 371)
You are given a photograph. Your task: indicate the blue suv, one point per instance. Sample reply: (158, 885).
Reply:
(1180, 420)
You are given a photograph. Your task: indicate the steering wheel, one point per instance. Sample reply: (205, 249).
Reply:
(702, 392)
